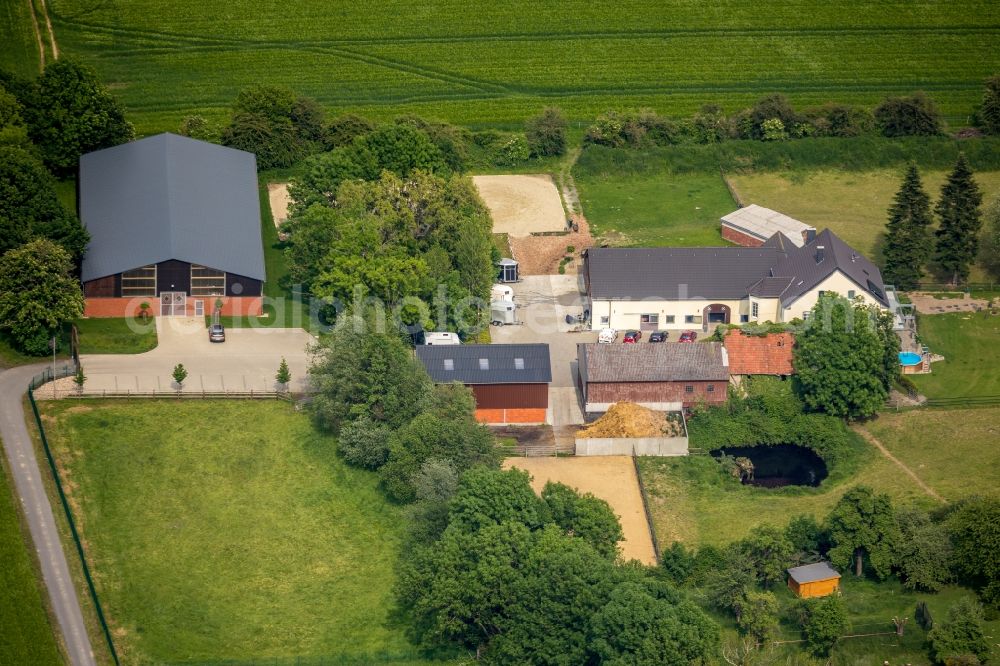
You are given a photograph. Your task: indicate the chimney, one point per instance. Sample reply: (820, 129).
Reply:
(809, 235)
(820, 254)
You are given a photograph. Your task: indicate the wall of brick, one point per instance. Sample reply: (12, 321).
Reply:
(740, 238)
(249, 306)
(656, 392)
(523, 416)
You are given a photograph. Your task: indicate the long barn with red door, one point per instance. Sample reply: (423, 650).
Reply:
(510, 382)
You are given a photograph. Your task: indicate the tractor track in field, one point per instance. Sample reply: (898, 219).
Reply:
(873, 440)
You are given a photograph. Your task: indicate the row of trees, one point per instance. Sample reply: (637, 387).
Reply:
(864, 533)
(282, 128)
(910, 242)
(45, 126)
(773, 118)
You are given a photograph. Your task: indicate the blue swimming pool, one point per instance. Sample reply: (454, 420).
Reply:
(909, 358)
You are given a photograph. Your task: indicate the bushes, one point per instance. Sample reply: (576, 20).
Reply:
(275, 124)
(823, 622)
(546, 133)
(908, 116)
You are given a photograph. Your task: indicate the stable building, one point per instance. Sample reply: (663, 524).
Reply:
(662, 376)
(510, 382)
(174, 223)
(813, 580)
(700, 287)
(752, 225)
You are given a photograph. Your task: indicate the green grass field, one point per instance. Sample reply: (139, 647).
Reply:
(228, 530)
(115, 336)
(855, 205)
(970, 344)
(656, 209)
(504, 61)
(17, 33)
(26, 636)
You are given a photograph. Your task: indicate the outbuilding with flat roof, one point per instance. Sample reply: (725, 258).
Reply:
(752, 225)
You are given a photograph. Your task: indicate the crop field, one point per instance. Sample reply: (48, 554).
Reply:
(505, 60)
(302, 568)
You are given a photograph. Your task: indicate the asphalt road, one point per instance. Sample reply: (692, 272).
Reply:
(41, 523)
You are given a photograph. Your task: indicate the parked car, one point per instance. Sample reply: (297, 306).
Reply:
(632, 336)
(607, 336)
(216, 333)
(658, 336)
(688, 336)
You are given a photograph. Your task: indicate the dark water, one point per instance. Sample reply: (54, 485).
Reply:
(780, 465)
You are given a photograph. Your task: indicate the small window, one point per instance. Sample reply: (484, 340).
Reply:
(755, 309)
(669, 319)
(806, 314)
(688, 319)
(744, 319)
(710, 388)
(484, 364)
(689, 389)
(449, 364)
(605, 320)
(519, 364)
(649, 319)
(851, 294)
(819, 294)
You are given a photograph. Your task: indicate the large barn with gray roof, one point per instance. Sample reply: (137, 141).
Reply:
(174, 222)
(702, 287)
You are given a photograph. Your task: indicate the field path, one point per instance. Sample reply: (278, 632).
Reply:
(38, 513)
(871, 439)
(48, 26)
(38, 35)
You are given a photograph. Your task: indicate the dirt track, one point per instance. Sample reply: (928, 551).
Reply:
(612, 478)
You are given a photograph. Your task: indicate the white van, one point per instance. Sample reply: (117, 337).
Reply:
(607, 336)
(441, 338)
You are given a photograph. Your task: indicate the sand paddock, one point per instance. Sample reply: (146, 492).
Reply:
(277, 193)
(522, 205)
(612, 478)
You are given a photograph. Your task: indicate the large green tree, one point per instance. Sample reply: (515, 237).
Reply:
(824, 622)
(584, 516)
(958, 233)
(925, 556)
(768, 552)
(839, 359)
(30, 208)
(916, 115)
(275, 124)
(960, 638)
(863, 524)
(975, 533)
(988, 113)
(38, 294)
(70, 112)
(908, 241)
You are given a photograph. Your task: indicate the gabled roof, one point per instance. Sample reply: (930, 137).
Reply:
(769, 354)
(170, 197)
(764, 223)
(664, 362)
(487, 364)
(808, 266)
(811, 573)
(669, 273)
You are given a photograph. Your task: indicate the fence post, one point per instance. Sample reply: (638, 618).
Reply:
(72, 525)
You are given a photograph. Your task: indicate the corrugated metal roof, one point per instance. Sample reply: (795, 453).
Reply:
(170, 197)
(810, 573)
(487, 364)
(660, 362)
(764, 223)
(809, 266)
(677, 273)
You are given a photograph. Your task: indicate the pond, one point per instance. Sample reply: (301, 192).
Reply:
(780, 465)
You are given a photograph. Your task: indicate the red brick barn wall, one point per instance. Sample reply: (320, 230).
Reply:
(740, 238)
(232, 306)
(608, 392)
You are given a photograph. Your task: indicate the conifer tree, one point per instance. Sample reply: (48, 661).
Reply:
(908, 242)
(958, 210)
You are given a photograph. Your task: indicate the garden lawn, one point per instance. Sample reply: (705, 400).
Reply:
(116, 335)
(693, 502)
(26, 636)
(970, 344)
(953, 451)
(853, 204)
(655, 209)
(228, 530)
(506, 61)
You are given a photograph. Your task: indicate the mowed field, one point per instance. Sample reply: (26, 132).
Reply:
(505, 60)
(228, 531)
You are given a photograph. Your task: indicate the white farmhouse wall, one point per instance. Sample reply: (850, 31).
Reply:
(622, 315)
(836, 282)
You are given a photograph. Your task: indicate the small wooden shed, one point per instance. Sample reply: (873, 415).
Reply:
(813, 580)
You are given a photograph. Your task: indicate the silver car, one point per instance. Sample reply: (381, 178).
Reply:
(217, 333)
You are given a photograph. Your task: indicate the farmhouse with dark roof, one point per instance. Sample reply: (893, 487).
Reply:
(699, 287)
(173, 222)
